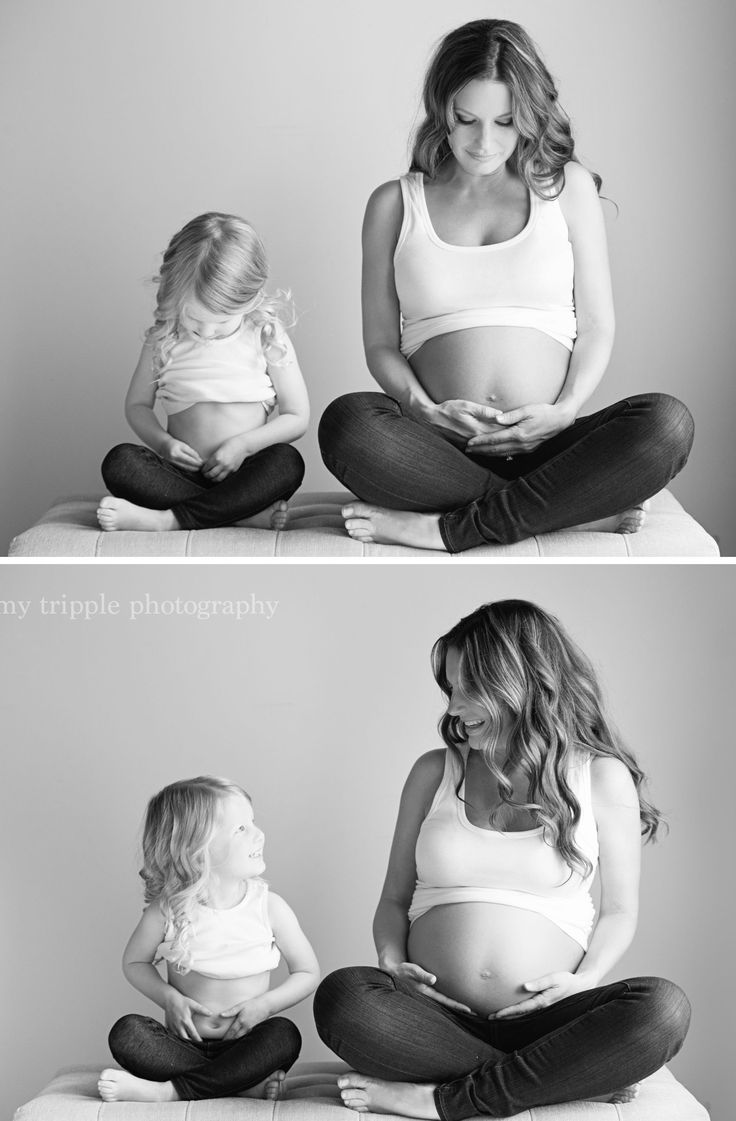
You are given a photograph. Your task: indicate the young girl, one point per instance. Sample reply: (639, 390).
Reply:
(489, 995)
(218, 361)
(220, 930)
(488, 323)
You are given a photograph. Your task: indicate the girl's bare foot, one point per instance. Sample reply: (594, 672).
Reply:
(271, 1089)
(374, 1095)
(117, 513)
(120, 1086)
(392, 527)
(630, 521)
(273, 517)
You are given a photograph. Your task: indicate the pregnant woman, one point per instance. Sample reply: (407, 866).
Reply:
(488, 996)
(488, 323)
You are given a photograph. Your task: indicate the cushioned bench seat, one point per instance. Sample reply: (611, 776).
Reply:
(72, 1096)
(69, 529)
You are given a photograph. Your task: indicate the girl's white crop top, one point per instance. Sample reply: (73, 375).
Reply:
(458, 862)
(526, 281)
(238, 942)
(230, 369)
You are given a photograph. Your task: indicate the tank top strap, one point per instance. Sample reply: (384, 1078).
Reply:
(411, 197)
(451, 776)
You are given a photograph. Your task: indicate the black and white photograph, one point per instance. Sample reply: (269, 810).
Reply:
(367, 538)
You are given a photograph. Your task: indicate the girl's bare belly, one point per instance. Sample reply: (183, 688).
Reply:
(482, 953)
(208, 424)
(217, 995)
(501, 366)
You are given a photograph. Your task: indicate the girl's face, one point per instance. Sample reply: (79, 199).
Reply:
(198, 320)
(236, 848)
(474, 719)
(483, 136)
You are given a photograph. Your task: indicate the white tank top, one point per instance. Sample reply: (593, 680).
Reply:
(231, 369)
(458, 862)
(526, 281)
(237, 942)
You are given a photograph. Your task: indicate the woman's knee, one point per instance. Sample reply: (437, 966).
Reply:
(670, 427)
(347, 421)
(339, 996)
(667, 1012)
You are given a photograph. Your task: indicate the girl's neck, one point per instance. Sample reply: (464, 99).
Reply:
(222, 894)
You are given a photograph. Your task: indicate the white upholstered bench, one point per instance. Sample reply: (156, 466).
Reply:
(72, 1096)
(69, 529)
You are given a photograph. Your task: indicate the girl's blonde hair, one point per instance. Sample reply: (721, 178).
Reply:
(178, 830)
(219, 260)
(516, 661)
(502, 51)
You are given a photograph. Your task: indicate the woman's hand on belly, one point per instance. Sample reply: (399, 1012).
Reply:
(522, 430)
(463, 418)
(244, 1016)
(547, 990)
(422, 982)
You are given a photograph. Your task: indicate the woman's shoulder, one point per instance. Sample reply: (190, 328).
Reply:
(611, 781)
(428, 769)
(385, 205)
(578, 189)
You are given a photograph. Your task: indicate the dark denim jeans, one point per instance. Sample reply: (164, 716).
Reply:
(584, 1046)
(599, 466)
(215, 1068)
(136, 473)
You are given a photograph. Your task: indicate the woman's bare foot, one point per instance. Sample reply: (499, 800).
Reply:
(367, 523)
(630, 521)
(271, 1089)
(619, 1097)
(120, 1086)
(273, 517)
(374, 1095)
(118, 513)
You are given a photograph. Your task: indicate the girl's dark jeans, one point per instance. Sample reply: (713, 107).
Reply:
(139, 475)
(584, 1046)
(215, 1068)
(601, 465)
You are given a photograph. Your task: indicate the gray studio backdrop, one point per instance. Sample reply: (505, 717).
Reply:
(319, 711)
(122, 120)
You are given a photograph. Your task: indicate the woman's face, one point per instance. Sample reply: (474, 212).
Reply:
(474, 719)
(483, 136)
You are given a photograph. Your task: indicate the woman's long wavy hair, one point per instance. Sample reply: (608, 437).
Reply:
(219, 260)
(518, 664)
(178, 830)
(499, 50)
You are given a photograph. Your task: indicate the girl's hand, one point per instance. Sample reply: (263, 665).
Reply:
(548, 990)
(423, 982)
(522, 430)
(245, 1016)
(178, 1011)
(181, 455)
(224, 460)
(465, 418)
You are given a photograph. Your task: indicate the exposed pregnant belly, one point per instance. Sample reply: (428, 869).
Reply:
(501, 366)
(482, 953)
(217, 995)
(208, 424)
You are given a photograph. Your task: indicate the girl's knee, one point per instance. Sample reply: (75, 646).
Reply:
(290, 464)
(125, 1034)
(119, 463)
(287, 1040)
